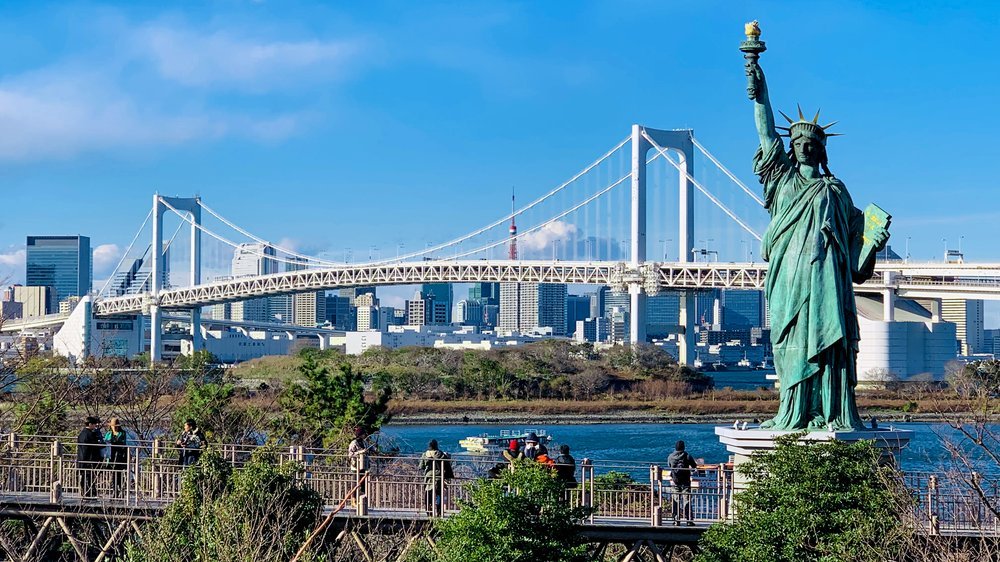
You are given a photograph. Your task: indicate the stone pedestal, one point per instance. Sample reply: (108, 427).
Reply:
(743, 443)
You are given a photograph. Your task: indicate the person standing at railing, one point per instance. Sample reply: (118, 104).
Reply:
(436, 465)
(117, 456)
(89, 456)
(531, 446)
(681, 465)
(357, 450)
(190, 443)
(566, 467)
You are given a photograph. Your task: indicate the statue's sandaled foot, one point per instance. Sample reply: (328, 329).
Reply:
(768, 424)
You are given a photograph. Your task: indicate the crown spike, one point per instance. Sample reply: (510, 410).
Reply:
(816, 118)
(825, 127)
(835, 134)
(801, 117)
(789, 119)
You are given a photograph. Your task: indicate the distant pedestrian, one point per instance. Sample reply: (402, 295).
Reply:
(566, 467)
(89, 456)
(531, 446)
(117, 456)
(190, 443)
(357, 450)
(681, 465)
(436, 465)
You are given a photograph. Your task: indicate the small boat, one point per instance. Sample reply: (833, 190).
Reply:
(487, 443)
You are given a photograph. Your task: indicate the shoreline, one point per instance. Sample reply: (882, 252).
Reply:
(611, 417)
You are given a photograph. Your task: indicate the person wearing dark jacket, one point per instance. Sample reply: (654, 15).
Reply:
(89, 456)
(681, 465)
(566, 467)
(117, 456)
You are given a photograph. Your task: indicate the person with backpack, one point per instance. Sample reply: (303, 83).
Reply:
(118, 456)
(681, 465)
(436, 465)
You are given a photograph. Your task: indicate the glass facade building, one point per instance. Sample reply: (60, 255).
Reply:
(60, 262)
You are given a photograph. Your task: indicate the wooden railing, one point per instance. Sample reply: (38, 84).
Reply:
(44, 470)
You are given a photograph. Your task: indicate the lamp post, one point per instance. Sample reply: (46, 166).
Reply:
(907, 258)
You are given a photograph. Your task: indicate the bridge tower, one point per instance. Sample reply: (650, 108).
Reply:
(679, 141)
(191, 206)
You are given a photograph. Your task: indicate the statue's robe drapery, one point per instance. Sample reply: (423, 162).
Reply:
(811, 246)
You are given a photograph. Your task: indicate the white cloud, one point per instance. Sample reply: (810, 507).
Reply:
(227, 59)
(546, 236)
(106, 257)
(12, 266)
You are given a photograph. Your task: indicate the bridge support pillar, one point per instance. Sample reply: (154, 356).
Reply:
(686, 336)
(889, 305)
(155, 334)
(637, 311)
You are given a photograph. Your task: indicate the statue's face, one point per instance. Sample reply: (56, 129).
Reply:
(807, 151)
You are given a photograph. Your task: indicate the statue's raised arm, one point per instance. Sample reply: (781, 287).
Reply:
(757, 86)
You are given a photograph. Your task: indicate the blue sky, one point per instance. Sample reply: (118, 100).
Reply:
(332, 125)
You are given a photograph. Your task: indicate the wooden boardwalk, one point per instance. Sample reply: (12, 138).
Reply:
(40, 483)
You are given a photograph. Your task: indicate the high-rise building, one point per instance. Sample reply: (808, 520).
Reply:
(592, 330)
(486, 293)
(309, 309)
(663, 311)
(468, 312)
(419, 310)
(61, 262)
(368, 317)
(528, 306)
(491, 315)
(352, 293)
(618, 331)
(577, 308)
(742, 308)
(35, 301)
(252, 260)
(440, 293)
(613, 300)
(339, 313)
(967, 315)
(597, 302)
(387, 316)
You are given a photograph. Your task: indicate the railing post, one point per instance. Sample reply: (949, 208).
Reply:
(12, 442)
(587, 486)
(655, 484)
(932, 518)
(55, 472)
(155, 472)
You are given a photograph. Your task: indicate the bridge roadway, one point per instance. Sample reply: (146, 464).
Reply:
(41, 482)
(907, 280)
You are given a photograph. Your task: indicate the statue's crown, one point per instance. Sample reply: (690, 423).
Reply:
(805, 128)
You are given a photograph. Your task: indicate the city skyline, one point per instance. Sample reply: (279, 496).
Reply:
(325, 85)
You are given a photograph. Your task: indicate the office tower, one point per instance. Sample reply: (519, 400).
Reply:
(61, 262)
(441, 293)
(742, 308)
(486, 293)
(577, 308)
(339, 313)
(419, 310)
(468, 312)
(367, 315)
(967, 315)
(592, 330)
(597, 302)
(352, 293)
(252, 260)
(618, 326)
(35, 301)
(491, 315)
(309, 309)
(613, 300)
(387, 317)
(527, 306)
(663, 312)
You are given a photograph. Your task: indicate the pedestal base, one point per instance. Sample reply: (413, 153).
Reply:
(744, 443)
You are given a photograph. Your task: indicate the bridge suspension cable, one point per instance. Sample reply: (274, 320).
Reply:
(555, 218)
(507, 218)
(225, 240)
(126, 252)
(701, 188)
(726, 171)
(244, 232)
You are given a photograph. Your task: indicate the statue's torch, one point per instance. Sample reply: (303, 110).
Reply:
(752, 48)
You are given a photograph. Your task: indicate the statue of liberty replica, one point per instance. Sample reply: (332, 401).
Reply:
(817, 245)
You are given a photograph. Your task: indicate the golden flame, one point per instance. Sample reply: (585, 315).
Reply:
(752, 29)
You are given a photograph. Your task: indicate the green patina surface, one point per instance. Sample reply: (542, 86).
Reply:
(816, 246)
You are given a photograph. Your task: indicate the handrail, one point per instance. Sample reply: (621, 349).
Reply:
(44, 470)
